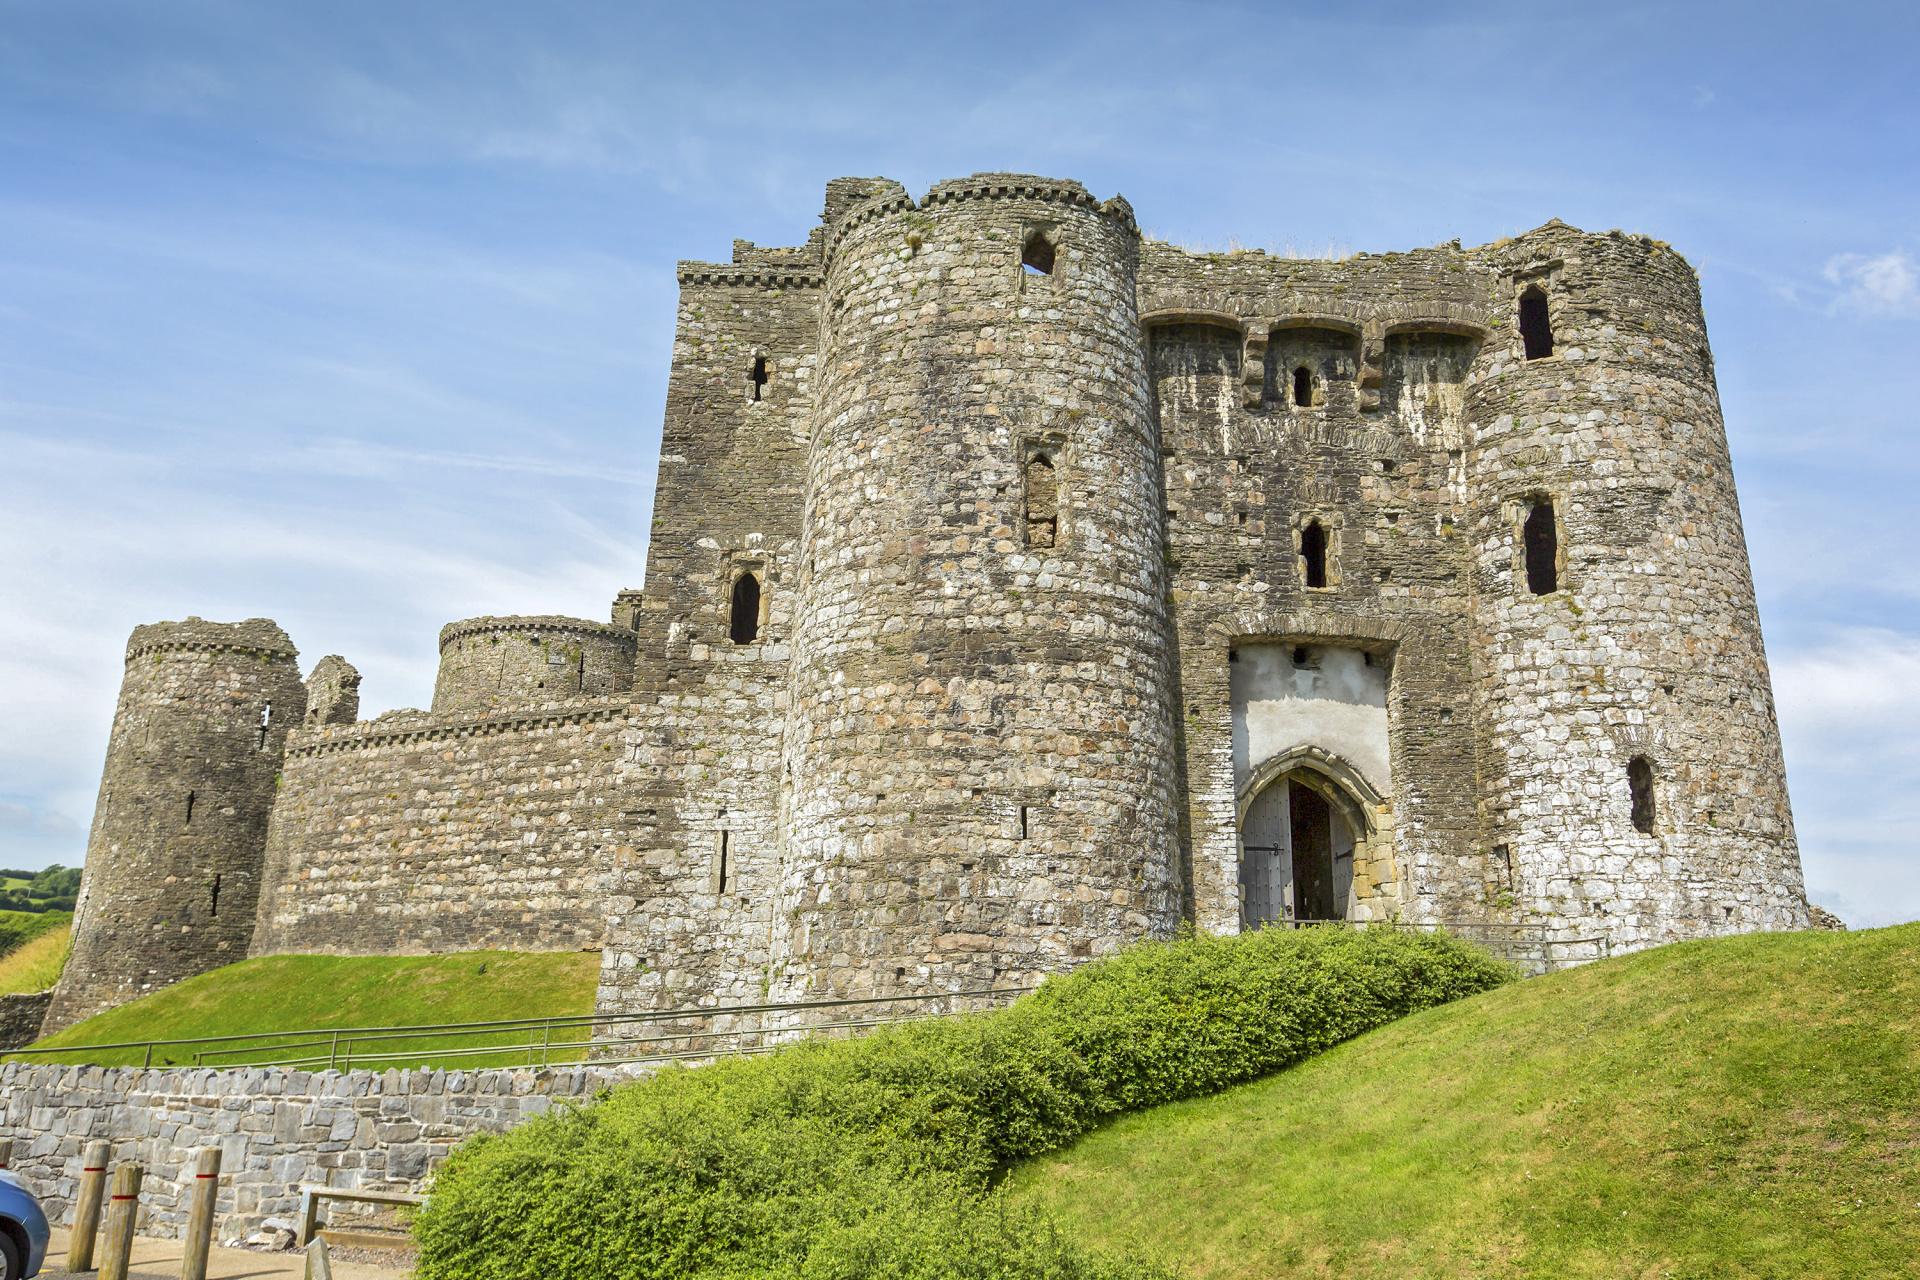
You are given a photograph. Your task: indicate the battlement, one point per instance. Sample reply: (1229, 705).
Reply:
(255, 637)
(409, 726)
(491, 663)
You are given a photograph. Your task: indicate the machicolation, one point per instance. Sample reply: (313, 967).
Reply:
(1019, 587)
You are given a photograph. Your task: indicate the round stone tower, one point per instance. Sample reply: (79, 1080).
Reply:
(1629, 758)
(179, 831)
(980, 768)
(494, 664)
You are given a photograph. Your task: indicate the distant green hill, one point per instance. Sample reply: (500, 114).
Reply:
(292, 993)
(53, 889)
(1742, 1107)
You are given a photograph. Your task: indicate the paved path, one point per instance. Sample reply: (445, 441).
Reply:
(160, 1260)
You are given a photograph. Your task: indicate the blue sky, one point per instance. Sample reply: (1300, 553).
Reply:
(358, 315)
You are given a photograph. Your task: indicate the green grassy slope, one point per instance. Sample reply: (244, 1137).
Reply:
(1742, 1107)
(275, 993)
(17, 928)
(35, 965)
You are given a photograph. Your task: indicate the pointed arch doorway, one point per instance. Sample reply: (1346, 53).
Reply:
(1301, 827)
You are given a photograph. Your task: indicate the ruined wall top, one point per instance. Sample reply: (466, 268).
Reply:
(258, 637)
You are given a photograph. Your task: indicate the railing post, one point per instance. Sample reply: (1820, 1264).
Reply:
(86, 1206)
(148, 1060)
(333, 1051)
(121, 1211)
(546, 1040)
(206, 1188)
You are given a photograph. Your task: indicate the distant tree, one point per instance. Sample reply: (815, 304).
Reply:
(56, 881)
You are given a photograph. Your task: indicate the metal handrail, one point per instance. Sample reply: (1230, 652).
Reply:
(602, 1041)
(351, 1039)
(333, 1037)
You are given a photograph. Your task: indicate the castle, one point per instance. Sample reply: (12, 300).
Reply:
(1019, 587)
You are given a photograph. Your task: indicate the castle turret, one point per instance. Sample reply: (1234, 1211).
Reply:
(179, 831)
(1630, 764)
(980, 767)
(490, 664)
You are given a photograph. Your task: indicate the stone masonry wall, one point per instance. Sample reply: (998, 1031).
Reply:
(20, 1017)
(1650, 646)
(692, 915)
(1374, 458)
(416, 833)
(173, 862)
(980, 727)
(277, 1129)
(495, 664)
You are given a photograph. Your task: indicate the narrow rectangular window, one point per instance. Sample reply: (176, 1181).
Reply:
(1640, 793)
(743, 622)
(189, 808)
(1043, 502)
(723, 873)
(215, 904)
(1023, 822)
(1542, 546)
(1536, 327)
(1313, 554)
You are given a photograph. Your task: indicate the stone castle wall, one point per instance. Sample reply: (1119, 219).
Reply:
(423, 833)
(980, 726)
(691, 919)
(1651, 646)
(276, 1129)
(1372, 457)
(174, 858)
(21, 1016)
(966, 506)
(491, 664)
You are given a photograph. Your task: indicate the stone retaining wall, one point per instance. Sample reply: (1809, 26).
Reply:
(276, 1128)
(21, 1016)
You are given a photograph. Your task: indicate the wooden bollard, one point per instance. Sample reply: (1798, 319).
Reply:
(86, 1208)
(206, 1187)
(121, 1210)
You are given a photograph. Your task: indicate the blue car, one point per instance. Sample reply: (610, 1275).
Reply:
(23, 1230)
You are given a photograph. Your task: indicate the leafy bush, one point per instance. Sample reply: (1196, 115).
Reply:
(877, 1156)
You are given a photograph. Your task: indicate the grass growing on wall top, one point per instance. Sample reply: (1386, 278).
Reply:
(274, 993)
(35, 965)
(1742, 1107)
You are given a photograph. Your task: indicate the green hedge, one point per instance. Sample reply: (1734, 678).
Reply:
(876, 1157)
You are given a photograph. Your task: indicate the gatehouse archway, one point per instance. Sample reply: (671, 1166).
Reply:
(1302, 826)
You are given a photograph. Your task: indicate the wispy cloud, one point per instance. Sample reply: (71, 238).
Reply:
(1874, 285)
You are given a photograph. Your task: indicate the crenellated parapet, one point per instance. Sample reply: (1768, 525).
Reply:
(496, 663)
